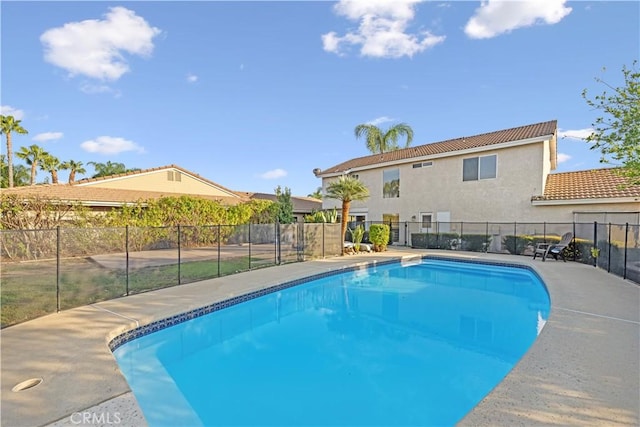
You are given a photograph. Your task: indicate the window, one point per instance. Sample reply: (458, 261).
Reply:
(427, 220)
(391, 183)
(476, 168)
(422, 165)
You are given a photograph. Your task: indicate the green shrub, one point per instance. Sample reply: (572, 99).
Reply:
(434, 240)
(475, 242)
(379, 236)
(516, 244)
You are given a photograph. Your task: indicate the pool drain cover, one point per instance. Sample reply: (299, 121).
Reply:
(27, 384)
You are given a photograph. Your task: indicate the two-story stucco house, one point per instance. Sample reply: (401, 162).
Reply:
(499, 177)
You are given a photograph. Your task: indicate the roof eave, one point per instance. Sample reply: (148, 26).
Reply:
(484, 148)
(591, 201)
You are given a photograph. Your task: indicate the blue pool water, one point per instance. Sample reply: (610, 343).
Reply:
(417, 344)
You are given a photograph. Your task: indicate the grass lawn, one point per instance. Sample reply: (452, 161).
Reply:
(29, 288)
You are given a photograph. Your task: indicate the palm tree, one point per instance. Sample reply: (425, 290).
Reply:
(32, 156)
(10, 124)
(108, 169)
(346, 189)
(73, 167)
(379, 141)
(316, 194)
(51, 164)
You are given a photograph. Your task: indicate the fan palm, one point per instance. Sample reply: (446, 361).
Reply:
(32, 156)
(379, 141)
(346, 189)
(108, 169)
(51, 164)
(10, 124)
(73, 167)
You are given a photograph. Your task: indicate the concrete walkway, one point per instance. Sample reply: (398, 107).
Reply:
(583, 370)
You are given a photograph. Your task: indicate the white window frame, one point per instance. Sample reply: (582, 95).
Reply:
(480, 164)
(421, 219)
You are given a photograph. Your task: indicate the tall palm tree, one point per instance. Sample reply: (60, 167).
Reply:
(346, 189)
(9, 125)
(73, 167)
(52, 165)
(379, 141)
(32, 156)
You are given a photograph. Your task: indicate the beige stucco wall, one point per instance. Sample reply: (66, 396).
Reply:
(521, 174)
(439, 188)
(158, 181)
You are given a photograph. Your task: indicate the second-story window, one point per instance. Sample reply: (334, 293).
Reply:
(475, 168)
(391, 183)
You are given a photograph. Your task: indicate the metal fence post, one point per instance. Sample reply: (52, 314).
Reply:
(277, 248)
(575, 244)
(595, 241)
(179, 258)
(219, 239)
(486, 237)
(609, 249)
(126, 255)
(58, 269)
(249, 246)
(626, 244)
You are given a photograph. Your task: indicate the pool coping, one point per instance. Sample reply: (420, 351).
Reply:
(550, 384)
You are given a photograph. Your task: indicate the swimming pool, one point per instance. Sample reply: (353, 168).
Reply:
(414, 343)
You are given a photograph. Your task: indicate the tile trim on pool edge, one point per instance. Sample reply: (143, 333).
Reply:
(219, 305)
(157, 325)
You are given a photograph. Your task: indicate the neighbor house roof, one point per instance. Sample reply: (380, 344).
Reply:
(544, 129)
(588, 184)
(94, 181)
(94, 196)
(87, 191)
(300, 204)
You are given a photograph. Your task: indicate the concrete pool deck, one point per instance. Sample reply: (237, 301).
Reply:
(584, 368)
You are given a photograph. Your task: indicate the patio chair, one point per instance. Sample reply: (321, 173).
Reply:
(554, 249)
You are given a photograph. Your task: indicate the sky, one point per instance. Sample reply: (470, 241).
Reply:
(255, 95)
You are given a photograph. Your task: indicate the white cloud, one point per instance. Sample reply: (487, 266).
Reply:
(94, 48)
(575, 134)
(380, 120)
(382, 32)
(110, 145)
(562, 157)
(495, 17)
(7, 110)
(274, 174)
(93, 89)
(192, 78)
(48, 136)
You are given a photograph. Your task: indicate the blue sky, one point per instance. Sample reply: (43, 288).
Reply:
(253, 95)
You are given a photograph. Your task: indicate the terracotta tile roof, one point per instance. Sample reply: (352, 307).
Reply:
(95, 196)
(89, 181)
(451, 145)
(587, 184)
